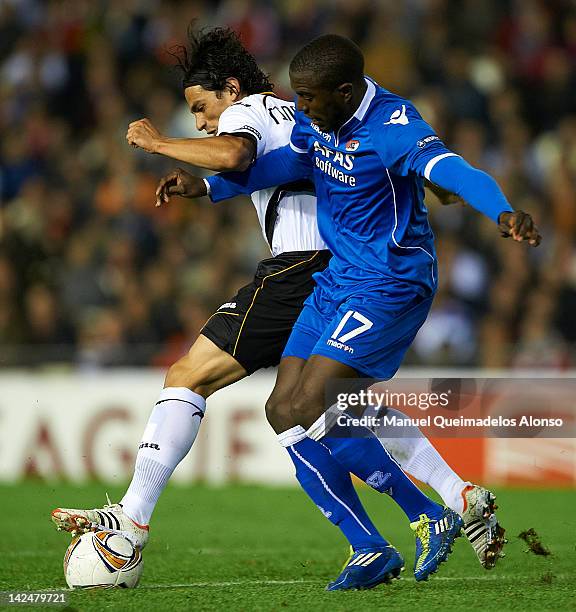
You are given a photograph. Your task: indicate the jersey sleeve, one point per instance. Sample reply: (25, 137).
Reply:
(245, 119)
(406, 145)
(474, 186)
(405, 142)
(298, 139)
(278, 167)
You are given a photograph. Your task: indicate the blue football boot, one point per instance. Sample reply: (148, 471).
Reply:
(434, 540)
(369, 567)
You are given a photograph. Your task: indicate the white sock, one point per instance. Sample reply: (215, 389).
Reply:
(168, 437)
(416, 455)
(291, 436)
(324, 423)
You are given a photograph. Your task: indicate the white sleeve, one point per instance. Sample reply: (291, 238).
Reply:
(245, 118)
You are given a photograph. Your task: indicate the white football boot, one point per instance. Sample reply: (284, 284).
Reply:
(481, 526)
(110, 518)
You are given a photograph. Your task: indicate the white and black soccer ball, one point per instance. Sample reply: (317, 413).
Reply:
(102, 559)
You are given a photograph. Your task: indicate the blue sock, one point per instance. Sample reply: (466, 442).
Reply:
(330, 487)
(366, 458)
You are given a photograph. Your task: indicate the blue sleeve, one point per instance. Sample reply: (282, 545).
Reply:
(284, 165)
(405, 143)
(280, 166)
(474, 186)
(298, 139)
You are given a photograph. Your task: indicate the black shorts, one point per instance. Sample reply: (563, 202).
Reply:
(255, 324)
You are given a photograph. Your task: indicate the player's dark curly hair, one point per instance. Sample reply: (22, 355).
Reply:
(212, 56)
(331, 60)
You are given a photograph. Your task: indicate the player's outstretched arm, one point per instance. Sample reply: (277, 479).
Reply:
(280, 166)
(482, 192)
(219, 153)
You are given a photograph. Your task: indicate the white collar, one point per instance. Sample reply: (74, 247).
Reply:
(370, 93)
(363, 108)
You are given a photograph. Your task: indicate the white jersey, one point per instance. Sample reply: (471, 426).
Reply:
(287, 213)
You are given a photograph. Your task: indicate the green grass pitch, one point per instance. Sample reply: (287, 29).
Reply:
(254, 548)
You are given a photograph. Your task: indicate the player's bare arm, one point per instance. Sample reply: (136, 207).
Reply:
(180, 183)
(446, 198)
(221, 153)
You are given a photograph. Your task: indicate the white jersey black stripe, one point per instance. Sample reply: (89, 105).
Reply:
(292, 222)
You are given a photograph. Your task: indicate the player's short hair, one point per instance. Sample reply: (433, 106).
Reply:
(212, 56)
(332, 59)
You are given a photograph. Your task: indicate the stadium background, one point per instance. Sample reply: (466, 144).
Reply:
(99, 290)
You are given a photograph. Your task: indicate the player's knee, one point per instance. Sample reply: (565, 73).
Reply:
(306, 405)
(184, 374)
(278, 413)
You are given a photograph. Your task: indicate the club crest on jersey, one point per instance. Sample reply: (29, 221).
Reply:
(352, 145)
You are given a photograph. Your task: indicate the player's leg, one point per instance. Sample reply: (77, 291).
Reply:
(418, 457)
(175, 421)
(278, 408)
(360, 452)
(173, 424)
(371, 335)
(326, 481)
(168, 437)
(247, 333)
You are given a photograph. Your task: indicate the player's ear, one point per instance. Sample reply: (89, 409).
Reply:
(345, 90)
(233, 87)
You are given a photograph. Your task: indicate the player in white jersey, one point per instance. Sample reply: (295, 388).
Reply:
(250, 330)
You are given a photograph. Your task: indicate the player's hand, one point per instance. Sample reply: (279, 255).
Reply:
(520, 226)
(180, 183)
(143, 134)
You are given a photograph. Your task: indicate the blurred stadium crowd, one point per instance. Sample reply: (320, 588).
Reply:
(92, 273)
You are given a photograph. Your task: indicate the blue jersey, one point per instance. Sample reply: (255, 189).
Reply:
(370, 191)
(376, 293)
(369, 185)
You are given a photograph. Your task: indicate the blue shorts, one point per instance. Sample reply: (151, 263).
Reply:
(368, 329)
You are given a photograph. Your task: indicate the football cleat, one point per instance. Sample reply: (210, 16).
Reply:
(367, 568)
(109, 518)
(434, 540)
(481, 526)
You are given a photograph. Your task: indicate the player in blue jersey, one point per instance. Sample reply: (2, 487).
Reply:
(368, 152)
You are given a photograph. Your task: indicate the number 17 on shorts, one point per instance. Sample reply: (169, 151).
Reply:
(339, 337)
(373, 338)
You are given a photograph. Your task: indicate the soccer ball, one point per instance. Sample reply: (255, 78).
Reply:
(102, 559)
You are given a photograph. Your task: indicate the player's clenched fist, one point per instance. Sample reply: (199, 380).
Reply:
(180, 183)
(143, 134)
(520, 226)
